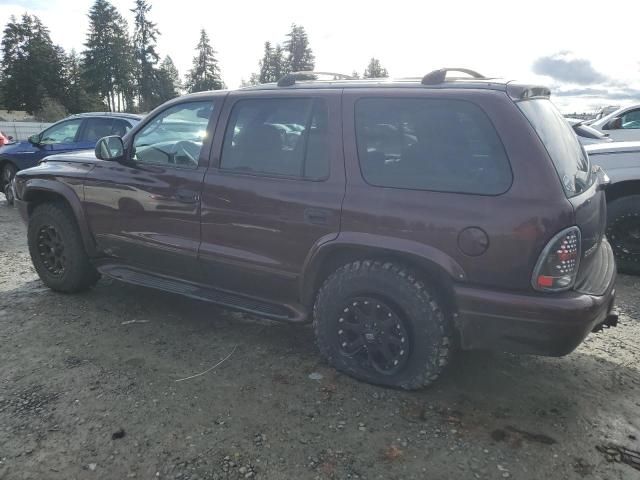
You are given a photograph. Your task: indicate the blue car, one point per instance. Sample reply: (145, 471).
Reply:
(77, 132)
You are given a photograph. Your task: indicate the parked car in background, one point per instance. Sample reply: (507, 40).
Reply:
(407, 218)
(621, 162)
(5, 139)
(622, 125)
(77, 132)
(604, 111)
(587, 134)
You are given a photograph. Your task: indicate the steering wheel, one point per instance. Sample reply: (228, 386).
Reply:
(184, 152)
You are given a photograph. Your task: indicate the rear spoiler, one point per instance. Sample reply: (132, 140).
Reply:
(519, 91)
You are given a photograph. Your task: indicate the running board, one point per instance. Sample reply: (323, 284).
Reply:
(233, 301)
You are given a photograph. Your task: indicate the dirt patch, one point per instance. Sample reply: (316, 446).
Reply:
(76, 370)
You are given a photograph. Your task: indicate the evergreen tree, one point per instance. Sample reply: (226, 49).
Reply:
(108, 60)
(76, 99)
(145, 55)
(375, 70)
(168, 81)
(300, 56)
(279, 63)
(266, 65)
(205, 74)
(32, 66)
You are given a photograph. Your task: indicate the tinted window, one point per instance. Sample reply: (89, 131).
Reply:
(120, 127)
(286, 137)
(441, 145)
(64, 132)
(568, 156)
(175, 136)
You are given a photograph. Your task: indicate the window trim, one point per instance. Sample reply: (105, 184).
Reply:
(270, 175)
(203, 157)
(429, 98)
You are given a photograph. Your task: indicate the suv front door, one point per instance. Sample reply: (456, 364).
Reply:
(274, 190)
(145, 211)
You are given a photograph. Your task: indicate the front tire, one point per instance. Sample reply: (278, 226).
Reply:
(377, 322)
(623, 230)
(8, 172)
(57, 251)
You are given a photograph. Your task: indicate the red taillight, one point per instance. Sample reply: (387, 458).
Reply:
(558, 264)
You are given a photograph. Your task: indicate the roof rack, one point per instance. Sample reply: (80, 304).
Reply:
(290, 78)
(439, 76)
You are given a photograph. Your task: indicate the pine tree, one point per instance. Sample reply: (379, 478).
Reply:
(168, 81)
(145, 55)
(205, 74)
(266, 64)
(76, 99)
(279, 63)
(32, 65)
(375, 70)
(300, 56)
(108, 60)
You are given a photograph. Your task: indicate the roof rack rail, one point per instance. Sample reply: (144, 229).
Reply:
(439, 76)
(290, 78)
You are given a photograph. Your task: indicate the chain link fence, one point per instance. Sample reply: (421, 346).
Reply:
(22, 130)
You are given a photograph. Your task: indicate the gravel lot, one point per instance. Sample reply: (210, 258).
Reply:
(88, 389)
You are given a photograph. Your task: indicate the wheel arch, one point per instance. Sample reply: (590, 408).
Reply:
(622, 189)
(39, 191)
(433, 265)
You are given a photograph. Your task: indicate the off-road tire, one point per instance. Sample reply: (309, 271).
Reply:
(8, 172)
(429, 327)
(623, 213)
(78, 274)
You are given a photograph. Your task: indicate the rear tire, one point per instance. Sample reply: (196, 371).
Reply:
(8, 172)
(57, 251)
(623, 231)
(377, 322)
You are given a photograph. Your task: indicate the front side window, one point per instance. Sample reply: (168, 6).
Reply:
(64, 132)
(430, 144)
(279, 137)
(175, 136)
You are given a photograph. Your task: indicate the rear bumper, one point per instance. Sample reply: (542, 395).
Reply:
(541, 324)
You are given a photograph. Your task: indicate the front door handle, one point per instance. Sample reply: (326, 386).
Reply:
(187, 196)
(317, 216)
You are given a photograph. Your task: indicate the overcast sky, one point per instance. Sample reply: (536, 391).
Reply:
(586, 50)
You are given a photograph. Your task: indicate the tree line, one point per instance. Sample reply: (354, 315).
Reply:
(122, 71)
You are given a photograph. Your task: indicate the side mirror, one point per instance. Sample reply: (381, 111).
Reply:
(34, 139)
(615, 124)
(110, 148)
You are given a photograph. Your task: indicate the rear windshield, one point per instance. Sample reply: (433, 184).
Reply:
(568, 156)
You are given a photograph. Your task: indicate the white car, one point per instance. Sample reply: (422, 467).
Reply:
(621, 125)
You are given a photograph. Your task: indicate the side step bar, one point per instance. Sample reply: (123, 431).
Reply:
(233, 301)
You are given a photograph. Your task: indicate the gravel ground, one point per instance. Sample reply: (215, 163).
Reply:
(89, 389)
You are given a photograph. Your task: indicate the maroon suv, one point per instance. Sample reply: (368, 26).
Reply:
(405, 218)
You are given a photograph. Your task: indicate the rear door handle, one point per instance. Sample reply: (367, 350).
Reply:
(317, 216)
(187, 196)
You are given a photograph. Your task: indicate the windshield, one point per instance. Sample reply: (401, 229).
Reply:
(568, 156)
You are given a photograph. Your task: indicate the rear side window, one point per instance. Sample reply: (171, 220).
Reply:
(278, 137)
(568, 156)
(430, 144)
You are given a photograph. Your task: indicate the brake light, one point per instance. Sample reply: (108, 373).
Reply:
(557, 267)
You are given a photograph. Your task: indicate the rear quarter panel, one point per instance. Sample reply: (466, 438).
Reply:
(518, 223)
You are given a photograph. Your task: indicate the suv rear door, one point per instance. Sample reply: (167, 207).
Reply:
(274, 189)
